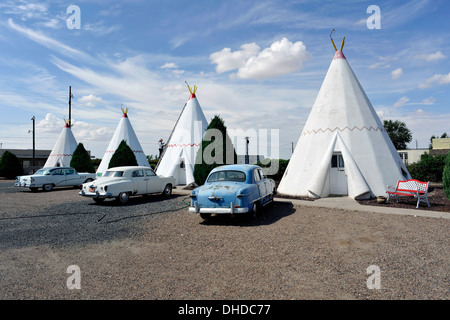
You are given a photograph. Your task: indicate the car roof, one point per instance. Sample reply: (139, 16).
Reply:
(240, 167)
(126, 168)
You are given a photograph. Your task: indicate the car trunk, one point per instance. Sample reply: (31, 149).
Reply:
(218, 195)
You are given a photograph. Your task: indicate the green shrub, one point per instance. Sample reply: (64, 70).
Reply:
(206, 156)
(10, 166)
(428, 168)
(81, 161)
(275, 168)
(446, 176)
(123, 156)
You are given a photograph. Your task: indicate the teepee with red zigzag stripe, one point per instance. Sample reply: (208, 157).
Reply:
(124, 131)
(343, 148)
(178, 158)
(62, 152)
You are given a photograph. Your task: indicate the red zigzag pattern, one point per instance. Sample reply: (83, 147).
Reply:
(183, 145)
(341, 130)
(135, 151)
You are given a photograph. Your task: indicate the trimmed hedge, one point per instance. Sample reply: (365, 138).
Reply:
(206, 155)
(446, 176)
(10, 166)
(123, 156)
(81, 161)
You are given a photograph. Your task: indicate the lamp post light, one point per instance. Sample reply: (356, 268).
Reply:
(32, 163)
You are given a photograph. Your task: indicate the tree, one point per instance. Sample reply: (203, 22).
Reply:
(123, 156)
(446, 176)
(398, 132)
(81, 161)
(10, 166)
(429, 168)
(215, 150)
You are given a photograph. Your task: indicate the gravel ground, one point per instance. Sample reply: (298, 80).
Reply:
(153, 248)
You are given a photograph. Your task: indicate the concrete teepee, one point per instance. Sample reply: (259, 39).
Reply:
(124, 131)
(62, 152)
(179, 157)
(343, 148)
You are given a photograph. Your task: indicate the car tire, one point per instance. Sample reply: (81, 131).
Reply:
(123, 197)
(167, 190)
(255, 211)
(47, 187)
(99, 200)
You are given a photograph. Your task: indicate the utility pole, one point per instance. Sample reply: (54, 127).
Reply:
(247, 160)
(32, 163)
(70, 106)
(292, 147)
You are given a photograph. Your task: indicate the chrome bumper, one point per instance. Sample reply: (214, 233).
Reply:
(95, 194)
(230, 210)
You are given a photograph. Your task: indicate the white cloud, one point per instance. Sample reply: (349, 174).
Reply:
(437, 78)
(99, 28)
(428, 101)
(282, 57)
(431, 56)
(227, 60)
(169, 65)
(90, 100)
(402, 101)
(397, 73)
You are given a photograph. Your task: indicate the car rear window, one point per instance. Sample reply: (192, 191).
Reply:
(113, 174)
(229, 175)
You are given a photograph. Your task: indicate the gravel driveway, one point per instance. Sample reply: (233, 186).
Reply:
(152, 248)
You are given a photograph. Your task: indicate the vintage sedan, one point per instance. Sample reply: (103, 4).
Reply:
(233, 189)
(123, 182)
(51, 177)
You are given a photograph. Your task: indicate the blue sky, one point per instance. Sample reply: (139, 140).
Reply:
(257, 64)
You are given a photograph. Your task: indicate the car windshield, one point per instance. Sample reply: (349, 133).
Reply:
(229, 175)
(41, 172)
(113, 174)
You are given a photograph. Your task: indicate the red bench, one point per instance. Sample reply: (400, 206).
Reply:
(410, 188)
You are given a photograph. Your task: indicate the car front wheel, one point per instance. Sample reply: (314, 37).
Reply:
(123, 197)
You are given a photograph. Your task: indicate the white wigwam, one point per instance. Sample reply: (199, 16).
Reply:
(178, 159)
(343, 148)
(124, 131)
(62, 152)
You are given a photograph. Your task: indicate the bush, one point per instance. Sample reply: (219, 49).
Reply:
(10, 166)
(123, 156)
(428, 168)
(81, 161)
(206, 155)
(281, 168)
(446, 176)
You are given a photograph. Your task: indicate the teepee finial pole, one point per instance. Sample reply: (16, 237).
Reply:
(342, 45)
(332, 39)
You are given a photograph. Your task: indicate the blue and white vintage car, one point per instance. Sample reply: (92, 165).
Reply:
(52, 177)
(233, 189)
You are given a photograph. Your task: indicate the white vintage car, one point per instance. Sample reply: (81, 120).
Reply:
(51, 177)
(122, 182)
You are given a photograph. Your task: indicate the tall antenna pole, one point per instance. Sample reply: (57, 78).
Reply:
(32, 163)
(70, 106)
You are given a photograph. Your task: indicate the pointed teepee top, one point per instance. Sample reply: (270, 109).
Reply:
(67, 125)
(125, 111)
(192, 91)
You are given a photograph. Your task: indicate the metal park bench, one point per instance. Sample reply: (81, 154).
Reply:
(410, 188)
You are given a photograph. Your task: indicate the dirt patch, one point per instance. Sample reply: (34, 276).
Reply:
(436, 197)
